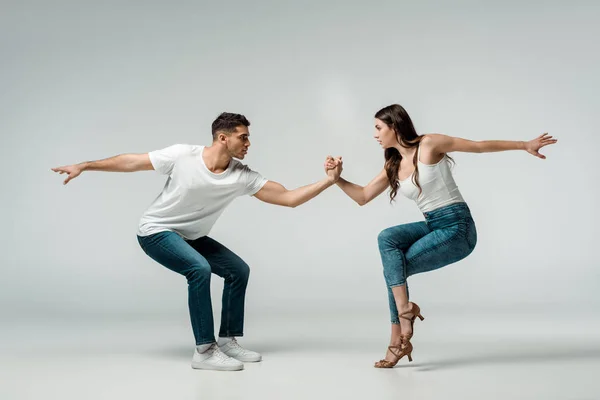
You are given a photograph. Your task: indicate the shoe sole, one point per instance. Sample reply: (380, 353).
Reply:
(196, 365)
(249, 360)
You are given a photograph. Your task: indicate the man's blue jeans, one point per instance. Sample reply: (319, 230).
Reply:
(196, 260)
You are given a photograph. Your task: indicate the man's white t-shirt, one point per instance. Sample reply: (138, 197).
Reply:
(194, 197)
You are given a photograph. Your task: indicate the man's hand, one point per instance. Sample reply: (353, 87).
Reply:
(120, 163)
(333, 168)
(72, 170)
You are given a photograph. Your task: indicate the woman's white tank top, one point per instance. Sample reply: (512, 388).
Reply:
(437, 183)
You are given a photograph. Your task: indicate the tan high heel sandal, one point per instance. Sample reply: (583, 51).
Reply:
(415, 310)
(405, 349)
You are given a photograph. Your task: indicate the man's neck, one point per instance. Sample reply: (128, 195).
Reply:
(216, 159)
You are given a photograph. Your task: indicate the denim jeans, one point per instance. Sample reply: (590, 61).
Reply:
(196, 260)
(446, 236)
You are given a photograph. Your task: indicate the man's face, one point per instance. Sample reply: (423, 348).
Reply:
(238, 142)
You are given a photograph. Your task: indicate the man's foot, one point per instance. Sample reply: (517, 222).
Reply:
(232, 348)
(213, 358)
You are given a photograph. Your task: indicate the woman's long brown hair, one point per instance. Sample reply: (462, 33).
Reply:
(396, 117)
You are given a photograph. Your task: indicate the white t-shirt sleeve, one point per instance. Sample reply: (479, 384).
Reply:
(163, 160)
(254, 181)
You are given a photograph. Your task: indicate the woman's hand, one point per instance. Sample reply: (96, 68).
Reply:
(533, 146)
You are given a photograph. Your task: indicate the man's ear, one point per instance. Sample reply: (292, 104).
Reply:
(222, 138)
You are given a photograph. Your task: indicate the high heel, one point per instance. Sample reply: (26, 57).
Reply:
(405, 349)
(415, 310)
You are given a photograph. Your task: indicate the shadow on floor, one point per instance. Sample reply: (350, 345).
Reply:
(531, 354)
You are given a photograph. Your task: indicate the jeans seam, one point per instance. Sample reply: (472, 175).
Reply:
(228, 309)
(403, 258)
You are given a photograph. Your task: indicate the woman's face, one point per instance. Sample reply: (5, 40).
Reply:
(384, 134)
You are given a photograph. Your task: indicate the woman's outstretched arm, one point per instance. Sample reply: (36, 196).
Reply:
(446, 144)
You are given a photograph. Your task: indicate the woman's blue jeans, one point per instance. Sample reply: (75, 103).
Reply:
(446, 236)
(196, 260)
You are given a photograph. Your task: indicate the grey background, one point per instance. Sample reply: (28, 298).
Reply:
(84, 81)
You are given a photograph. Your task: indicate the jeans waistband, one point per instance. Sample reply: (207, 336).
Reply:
(458, 210)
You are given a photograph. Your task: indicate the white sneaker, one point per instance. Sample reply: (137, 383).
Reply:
(213, 358)
(233, 349)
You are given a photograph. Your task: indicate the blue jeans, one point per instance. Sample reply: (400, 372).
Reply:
(196, 260)
(446, 236)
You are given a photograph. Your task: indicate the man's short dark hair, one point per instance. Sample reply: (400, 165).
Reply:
(227, 122)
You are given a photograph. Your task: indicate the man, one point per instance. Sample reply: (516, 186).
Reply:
(174, 230)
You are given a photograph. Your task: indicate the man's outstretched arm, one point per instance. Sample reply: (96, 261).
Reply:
(120, 163)
(276, 193)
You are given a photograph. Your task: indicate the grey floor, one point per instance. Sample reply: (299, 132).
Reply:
(468, 356)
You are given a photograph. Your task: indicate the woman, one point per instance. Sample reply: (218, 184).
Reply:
(419, 167)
